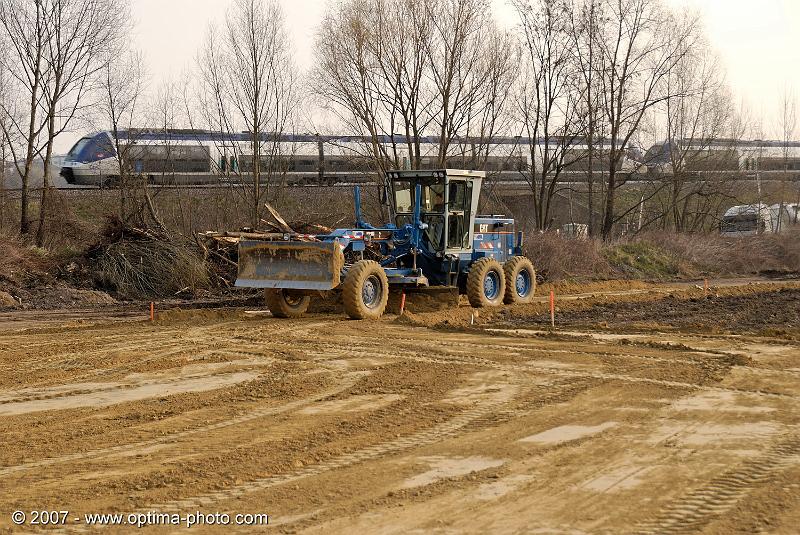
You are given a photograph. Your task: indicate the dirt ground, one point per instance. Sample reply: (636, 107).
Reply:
(649, 409)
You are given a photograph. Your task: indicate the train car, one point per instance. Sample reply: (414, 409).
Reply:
(184, 157)
(723, 156)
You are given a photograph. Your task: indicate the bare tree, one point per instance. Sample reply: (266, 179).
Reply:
(122, 81)
(249, 80)
(24, 34)
(5, 143)
(640, 43)
(79, 33)
(549, 100)
(408, 69)
(697, 114)
(787, 124)
(166, 108)
(584, 26)
(471, 68)
(371, 68)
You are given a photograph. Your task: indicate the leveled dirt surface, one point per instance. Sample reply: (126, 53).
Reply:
(747, 312)
(337, 426)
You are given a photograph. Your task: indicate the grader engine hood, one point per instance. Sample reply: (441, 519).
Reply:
(290, 265)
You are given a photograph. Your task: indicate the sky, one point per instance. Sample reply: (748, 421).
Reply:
(758, 41)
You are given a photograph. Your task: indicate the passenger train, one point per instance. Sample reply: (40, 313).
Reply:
(178, 157)
(723, 155)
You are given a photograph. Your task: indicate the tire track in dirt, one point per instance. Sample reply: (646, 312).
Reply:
(111, 387)
(478, 361)
(106, 339)
(703, 505)
(338, 349)
(68, 362)
(596, 354)
(426, 437)
(60, 359)
(139, 345)
(172, 350)
(122, 449)
(464, 421)
(138, 363)
(478, 346)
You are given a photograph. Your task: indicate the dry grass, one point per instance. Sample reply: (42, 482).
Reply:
(139, 269)
(558, 258)
(663, 256)
(74, 219)
(138, 263)
(18, 260)
(718, 255)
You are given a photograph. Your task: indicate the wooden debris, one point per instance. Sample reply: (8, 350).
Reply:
(282, 222)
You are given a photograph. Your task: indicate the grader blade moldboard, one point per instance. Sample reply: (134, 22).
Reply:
(290, 265)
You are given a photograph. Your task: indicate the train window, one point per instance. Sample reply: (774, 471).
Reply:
(79, 146)
(92, 149)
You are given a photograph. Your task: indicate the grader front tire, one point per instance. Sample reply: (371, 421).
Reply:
(365, 290)
(286, 305)
(485, 283)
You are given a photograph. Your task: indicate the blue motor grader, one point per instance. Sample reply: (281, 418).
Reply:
(434, 239)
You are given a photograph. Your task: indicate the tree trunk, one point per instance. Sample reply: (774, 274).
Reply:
(2, 181)
(256, 181)
(51, 123)
(590, 179)
(608, 217)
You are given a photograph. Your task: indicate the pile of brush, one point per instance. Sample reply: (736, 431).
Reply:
(143, 263)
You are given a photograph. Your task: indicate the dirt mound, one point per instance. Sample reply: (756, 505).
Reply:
(407, 318)
(572, 287)
(52, 294)
(424, 300)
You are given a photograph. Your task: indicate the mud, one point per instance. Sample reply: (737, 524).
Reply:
(752, 312)
(638, 420)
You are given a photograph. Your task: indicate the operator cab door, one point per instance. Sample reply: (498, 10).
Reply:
(460, 214)
(432, 208)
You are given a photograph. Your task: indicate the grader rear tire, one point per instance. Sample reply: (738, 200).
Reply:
(520, 281)
(284, 304)
(486, 283)
(365, 290)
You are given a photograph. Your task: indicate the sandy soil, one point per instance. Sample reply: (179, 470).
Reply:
(628, 418)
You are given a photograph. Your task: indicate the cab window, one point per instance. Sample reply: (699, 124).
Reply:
(403, 201)
(433, 198)
(459, 206)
